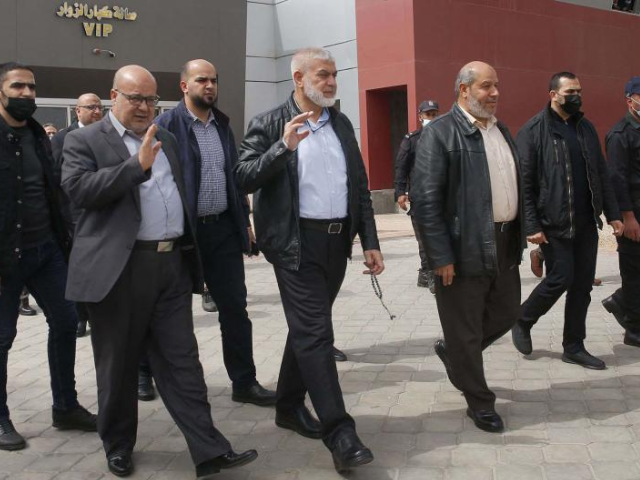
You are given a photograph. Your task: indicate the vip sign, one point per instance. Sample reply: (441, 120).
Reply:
(94, 27)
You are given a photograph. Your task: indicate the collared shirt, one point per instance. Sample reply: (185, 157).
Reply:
(80, 124)
(212, 196)
(322, 172)
(502, 170)
(160, 203)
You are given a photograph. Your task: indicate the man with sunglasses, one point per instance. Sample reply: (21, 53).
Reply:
(33, 247)
(135, 261)
(89, 110)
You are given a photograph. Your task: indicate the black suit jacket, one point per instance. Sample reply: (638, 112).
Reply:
(70, 213)
(102, 178)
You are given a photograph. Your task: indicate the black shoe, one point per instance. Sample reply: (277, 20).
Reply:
(521, 335)
(27, 311)
(615, 309)
(339, 355)
(146, 390)
(256, 394)
(349, 452)
(584, 359)
(77, 419)
(120, 464)
(300, 421)
(81, 329)
(208, 305)
(441, 350)
(230, 459)
(487, 420)
(9, 438)
(632, 338)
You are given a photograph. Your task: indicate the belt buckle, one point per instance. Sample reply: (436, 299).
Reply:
(165, 246)
(334, 228)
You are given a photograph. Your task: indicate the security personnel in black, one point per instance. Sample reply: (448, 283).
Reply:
(427, 111)
(623, 153)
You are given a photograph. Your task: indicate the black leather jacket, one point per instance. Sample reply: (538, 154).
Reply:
(547, 178)
(270, 171)
(451, 194)
(11, 193)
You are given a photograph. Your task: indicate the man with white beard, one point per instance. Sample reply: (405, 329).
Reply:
(468, 207)
(302, 162)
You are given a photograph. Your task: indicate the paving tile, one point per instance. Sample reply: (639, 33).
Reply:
(563, 422)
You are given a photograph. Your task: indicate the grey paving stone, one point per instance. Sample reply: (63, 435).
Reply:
(519, 472)
(565, 471)
(616, 470)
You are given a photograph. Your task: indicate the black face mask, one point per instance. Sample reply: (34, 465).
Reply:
(572, 104)
(20, 108)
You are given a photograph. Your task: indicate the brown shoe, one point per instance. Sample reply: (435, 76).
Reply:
(536, 262)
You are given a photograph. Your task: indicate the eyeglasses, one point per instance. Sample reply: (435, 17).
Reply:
(137, 100)
(93, 108)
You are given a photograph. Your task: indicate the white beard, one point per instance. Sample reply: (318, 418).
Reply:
(316, 96)
(476, 109)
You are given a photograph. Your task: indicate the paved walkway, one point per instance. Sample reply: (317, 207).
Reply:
(563, 422)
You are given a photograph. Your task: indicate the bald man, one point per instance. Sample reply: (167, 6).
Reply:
(469, 210)
(208, 154)
(135, 261)
(88, 110)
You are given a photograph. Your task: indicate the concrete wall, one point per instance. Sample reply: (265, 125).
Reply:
(164, 35)
(276, 29)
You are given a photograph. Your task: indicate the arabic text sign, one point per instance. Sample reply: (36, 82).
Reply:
(97, 14)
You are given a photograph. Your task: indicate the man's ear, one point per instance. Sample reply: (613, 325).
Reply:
(297, 78)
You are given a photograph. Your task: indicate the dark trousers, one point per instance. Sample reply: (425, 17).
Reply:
(571, 268)
(223, 265)
(628, 296)
(149, 309)
(307, 363)
(475, 311)
(424, 264)
(43, 269)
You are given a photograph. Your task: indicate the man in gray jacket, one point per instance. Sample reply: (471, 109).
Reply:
(135, 262)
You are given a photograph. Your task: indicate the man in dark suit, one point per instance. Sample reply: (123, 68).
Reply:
(311, 199)
(88, 110)
(135, 262)
(208, 155)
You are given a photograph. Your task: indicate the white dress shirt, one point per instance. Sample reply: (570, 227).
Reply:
(160, 203)
(502, 170)
(322, 172)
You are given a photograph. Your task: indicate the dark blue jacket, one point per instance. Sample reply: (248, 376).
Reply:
(179, 122)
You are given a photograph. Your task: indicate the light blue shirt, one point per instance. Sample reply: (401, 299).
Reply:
(322, 172)
(160, 203)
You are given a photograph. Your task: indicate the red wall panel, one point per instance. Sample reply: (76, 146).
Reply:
(423, 44)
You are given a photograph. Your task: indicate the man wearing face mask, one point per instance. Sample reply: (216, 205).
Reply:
(623, 152)
(566, 189)
(33, 247)
(427, 111)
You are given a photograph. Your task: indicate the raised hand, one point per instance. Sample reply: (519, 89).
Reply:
(148, 151)
(291, 136)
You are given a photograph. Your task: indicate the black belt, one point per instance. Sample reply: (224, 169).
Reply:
(214, 217)
(332, 227)
(504, 226)
(160, 246)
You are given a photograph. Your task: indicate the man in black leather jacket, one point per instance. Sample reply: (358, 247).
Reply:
(623, 153)
(467, 204)
(566, 189)
(311, 198)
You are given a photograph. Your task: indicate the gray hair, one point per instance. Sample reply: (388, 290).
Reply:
(466, 76)
(302, 58)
